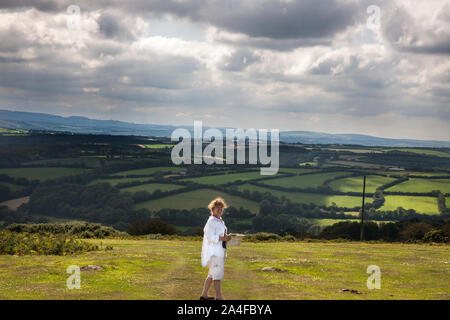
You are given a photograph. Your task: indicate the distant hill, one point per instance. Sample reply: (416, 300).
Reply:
(42, 121)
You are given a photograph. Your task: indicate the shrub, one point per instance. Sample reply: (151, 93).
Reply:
(435, 236)
(151, 226)
(263, 236)
(77, 229)
(415, 231)
(24, 243)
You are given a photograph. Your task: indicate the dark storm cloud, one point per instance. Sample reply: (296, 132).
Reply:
(110, 26)
(43, 5)
(262, 18)
(275, 44)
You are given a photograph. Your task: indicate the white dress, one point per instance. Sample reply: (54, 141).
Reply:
(212, 246)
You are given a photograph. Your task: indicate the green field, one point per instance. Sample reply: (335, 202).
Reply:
(303, 197)
(422, 185)
(13, 187)
(151, 187)
(147, 171)
(420, 204)
(115, 182)
(158, 146)
(42, 173)
(355, 184)
(87, 161)
(164, 269)
(197, 199)
(310, 180)
(297, 170)
(423, 151)
(226, 178)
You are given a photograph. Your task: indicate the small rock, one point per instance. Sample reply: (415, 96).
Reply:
(272, 269)
(91, 267)
(351, 291)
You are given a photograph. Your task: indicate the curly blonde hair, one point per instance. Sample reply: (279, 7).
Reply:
(217, 202)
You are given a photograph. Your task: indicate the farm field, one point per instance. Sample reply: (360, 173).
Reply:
(422, 185)
(310, 180)
(355, 184)
(171, 269)
(197, 199)
(13, 204)
(13, 187)
(303, 197)
(147, 171)
(297, 170)
(226, 178)
(115, 182)
(420, 204)
(87, 161)
(422, 151)
(151, 187)
(42, 173)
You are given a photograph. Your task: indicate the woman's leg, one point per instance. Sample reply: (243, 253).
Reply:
(218, 290)
(206, 286)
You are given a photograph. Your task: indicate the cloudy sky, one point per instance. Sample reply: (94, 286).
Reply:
(332, 66)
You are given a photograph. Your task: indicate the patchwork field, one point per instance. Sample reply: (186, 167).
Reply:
(163, 269)
(310, 180)
(13, 187)
(197, 199)
(151, 187)
(422, 185)
(355, 184)
(42, 173)
(147, 171)
(420, 204)
(422, 151)
(226, 178)
(303, 197)
(115, 182)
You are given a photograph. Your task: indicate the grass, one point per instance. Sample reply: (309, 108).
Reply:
(422, 185)
(355, 184)
(114, 182)
(297, 170)
(164, 269)
(151, 187)
(420, 204)
(13, 187)
(226, 178)
(147, 171)
(303, 197)
(158, 146)
(310, 180)
(423, 151)
(87, 161)
(197, 199)
(42, 173)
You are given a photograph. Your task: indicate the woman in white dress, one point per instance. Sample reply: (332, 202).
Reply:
(214, 249)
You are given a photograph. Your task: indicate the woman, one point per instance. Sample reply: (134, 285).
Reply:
(214, 249)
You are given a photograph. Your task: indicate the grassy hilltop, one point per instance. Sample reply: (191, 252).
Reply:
(171, 269)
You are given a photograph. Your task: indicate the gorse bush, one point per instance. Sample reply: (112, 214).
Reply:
(79, 229)
(39, 243)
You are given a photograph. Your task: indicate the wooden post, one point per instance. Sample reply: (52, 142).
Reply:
(362, 209)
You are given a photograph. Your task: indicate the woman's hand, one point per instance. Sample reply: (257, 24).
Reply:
(226, 238)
